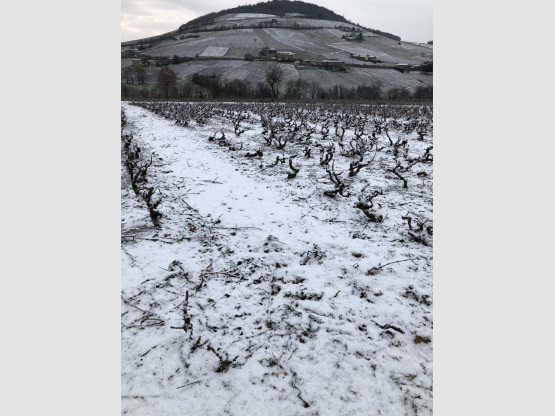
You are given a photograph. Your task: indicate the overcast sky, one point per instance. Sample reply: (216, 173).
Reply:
(409, 19)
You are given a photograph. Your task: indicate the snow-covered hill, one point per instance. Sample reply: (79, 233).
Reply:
(234, 36)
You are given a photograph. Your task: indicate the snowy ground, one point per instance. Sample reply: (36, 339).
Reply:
(260, 295)
(214, 51)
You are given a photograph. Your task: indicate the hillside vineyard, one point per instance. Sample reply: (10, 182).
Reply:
(321, 55)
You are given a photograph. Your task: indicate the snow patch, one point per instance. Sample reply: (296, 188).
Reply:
(214, 51)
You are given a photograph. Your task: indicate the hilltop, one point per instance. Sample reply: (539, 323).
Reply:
(276, 8)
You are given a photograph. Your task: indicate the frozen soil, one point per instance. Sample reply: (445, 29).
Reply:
(260, 295)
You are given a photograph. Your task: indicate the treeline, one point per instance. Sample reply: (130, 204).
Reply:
(276, 7)
(385, 34)
(427, 66)
(301, 90)
(152, 40)
(210, 87)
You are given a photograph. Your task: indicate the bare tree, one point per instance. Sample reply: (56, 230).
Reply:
(128, 73)
(140, 74)
(166, 81)
(274, 75)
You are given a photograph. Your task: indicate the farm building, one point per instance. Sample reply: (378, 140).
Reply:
(310, 62)
(137, 62)
(129, 52)
(332, 64)
(366, 58)
(287, 56)
(267, 52)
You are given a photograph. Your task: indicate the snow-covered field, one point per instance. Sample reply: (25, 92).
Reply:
(265, 294)
(385, 78)
(244, 38)
(214, 51)
(299, 40)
